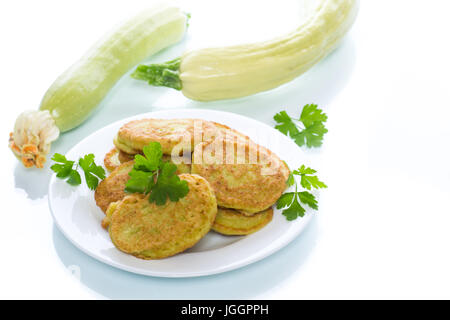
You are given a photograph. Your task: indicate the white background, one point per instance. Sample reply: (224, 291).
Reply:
(383, 229)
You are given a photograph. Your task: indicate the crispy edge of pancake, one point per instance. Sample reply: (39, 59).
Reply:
(109, 212)
(231, 222)
(112, 160)
(247, 200)
(125, 157)
(131, 208)
(124, 147)
(112, 188)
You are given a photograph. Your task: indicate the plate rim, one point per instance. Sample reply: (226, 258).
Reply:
(298, 227)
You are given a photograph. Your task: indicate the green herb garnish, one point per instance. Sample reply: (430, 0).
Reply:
(65, 170)
(169, 185)
(309, 130)
(152, 175)
(293, 201)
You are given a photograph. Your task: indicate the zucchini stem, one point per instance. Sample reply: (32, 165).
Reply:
(161, 75)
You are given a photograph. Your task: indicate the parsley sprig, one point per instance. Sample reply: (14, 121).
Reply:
(64, 169)
(151, 174)
(309, 130)
(292, 201)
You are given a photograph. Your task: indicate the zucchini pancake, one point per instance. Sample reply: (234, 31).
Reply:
(180, 133)
(234, 223)
(245, 176)
(149, 231)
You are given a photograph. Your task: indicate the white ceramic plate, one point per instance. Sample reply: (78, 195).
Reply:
(78, 217)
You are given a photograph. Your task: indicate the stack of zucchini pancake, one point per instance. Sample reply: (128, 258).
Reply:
(233, 185)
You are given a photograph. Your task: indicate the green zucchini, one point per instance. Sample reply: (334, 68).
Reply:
(78, 91)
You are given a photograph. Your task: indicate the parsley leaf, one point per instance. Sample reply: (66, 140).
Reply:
(92, 172)
(307, 180)
(169, 185)
(140, 181)
(152, 159)
(57, 157)
(292, 202)
(291, 180)
(145, 169)
(74, 178)
(151, 175)
(311, 113)
(304, 170)
(308, 199)
(311, 134)
(294, 210)
(285, 200)
(64, 169)
(286, 126)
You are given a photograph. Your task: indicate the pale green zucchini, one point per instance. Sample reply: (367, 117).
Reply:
(237, 71)
(78, 91)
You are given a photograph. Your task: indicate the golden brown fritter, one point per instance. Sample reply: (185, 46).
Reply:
(179, 134)
(234, 223)
(245, 176)
(149, 231)
(112, 188)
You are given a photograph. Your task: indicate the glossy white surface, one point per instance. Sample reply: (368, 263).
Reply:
(79, 219)
(382, 228)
